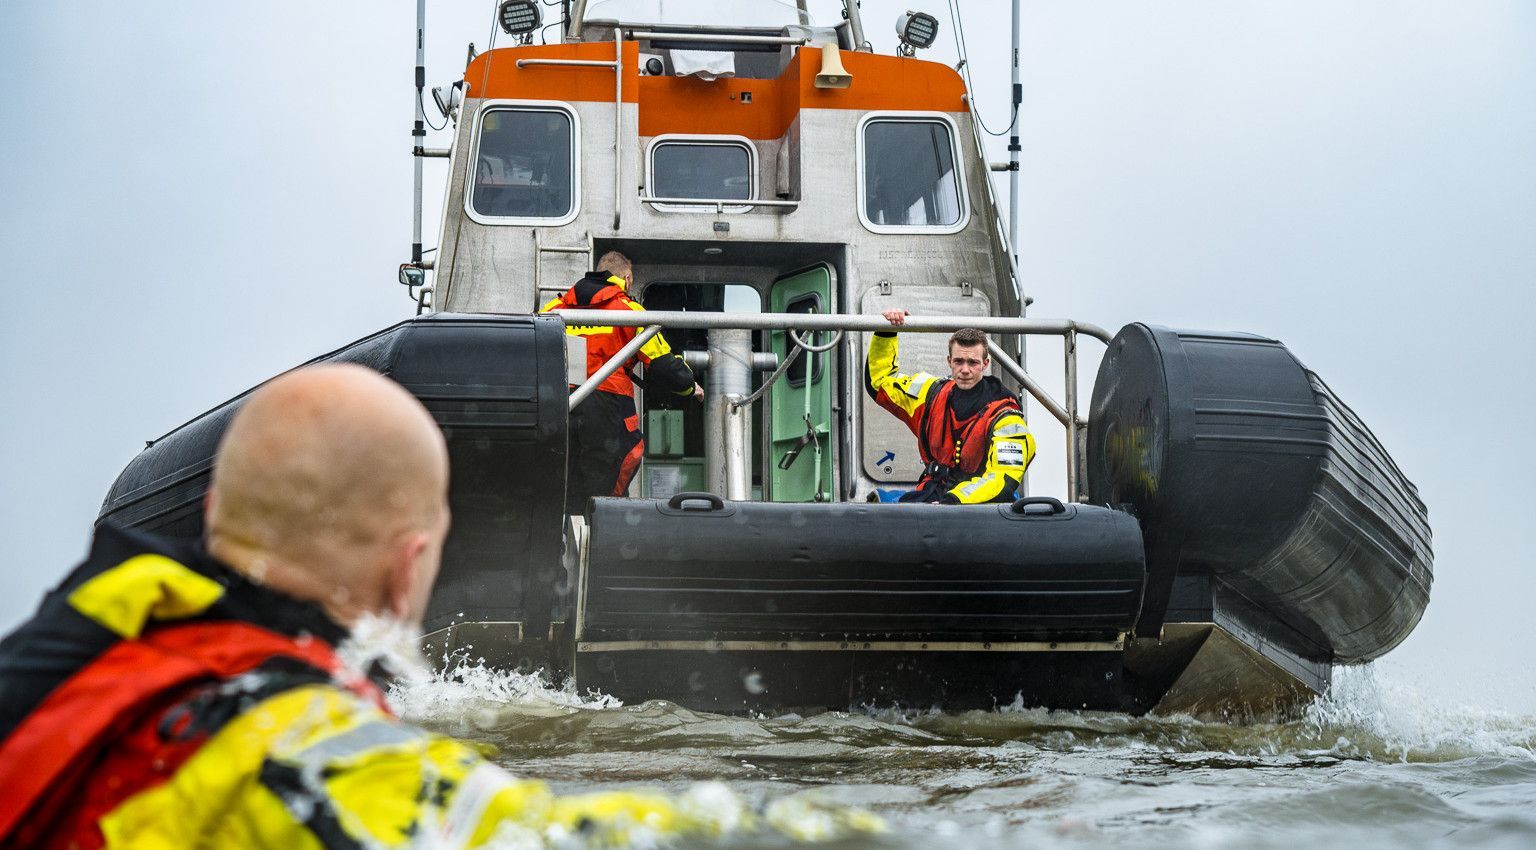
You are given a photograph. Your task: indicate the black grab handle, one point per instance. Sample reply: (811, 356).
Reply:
(1056, 506)
(676, 502)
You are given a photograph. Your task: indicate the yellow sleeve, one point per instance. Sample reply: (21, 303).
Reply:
(317, 768)
(665, 369)
(903, 395)
(654, 347)
(1010, 453)
(553, 303)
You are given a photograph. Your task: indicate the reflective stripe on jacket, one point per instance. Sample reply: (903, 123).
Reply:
(979, 459)
(665, 369)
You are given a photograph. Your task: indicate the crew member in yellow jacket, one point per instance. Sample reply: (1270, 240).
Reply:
(970, 432)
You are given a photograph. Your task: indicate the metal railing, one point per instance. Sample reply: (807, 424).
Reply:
(720, 204)
(716, 37)
(1065, 412)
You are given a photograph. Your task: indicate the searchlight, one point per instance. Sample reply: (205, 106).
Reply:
(518, 17)
(917, 30)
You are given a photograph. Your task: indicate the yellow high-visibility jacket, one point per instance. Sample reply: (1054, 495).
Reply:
(665, 369)
(139, 692)
(980, 458)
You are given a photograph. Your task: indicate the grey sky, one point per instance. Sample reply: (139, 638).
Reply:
(195, 197)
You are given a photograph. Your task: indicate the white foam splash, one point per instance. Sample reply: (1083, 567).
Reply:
(470, 688)
(387, 641)
(1373, 711)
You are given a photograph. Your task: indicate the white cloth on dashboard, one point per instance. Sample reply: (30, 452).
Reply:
(705, 64)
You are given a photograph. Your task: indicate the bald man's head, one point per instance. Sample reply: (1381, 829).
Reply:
(331, 485)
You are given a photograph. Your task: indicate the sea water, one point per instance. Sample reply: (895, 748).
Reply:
(1371, 765)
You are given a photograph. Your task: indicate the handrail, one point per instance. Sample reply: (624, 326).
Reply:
(580, 394)
(569, 63)
(716, 38)
(719, 203)
(829, 322)
(1066, 414)
(1025, 380)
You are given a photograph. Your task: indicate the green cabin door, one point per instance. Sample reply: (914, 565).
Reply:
(804, 393)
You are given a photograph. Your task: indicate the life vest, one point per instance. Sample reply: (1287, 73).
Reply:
(126, 721)
(954, 450)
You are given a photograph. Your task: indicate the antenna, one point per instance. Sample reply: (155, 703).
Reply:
(419, 129)
(1013, 162)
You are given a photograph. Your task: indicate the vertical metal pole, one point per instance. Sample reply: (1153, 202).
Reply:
(1013, 212)
(737, 479)
(855, 24)
(578, 17)
(1069, 344)
(538, 254)
(618, 115)
(419, 130)
(725, 434)
(1013, 155)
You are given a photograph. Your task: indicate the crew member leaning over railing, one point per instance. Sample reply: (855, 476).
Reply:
(970, 432)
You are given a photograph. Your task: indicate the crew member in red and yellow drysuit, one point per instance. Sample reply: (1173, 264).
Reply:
(970, 432)
(174, 694)
(605, 437)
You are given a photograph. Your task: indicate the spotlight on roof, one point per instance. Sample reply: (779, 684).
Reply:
(518, 17)
(916, 30)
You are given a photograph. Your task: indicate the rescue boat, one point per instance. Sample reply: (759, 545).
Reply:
(1228, 530)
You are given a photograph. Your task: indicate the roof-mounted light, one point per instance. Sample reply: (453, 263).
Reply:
(518, 17)
(448, 97)
(916, 30)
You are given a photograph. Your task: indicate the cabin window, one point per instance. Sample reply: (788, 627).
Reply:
(525, 166)
(705, 169)
(808, 303)
(908, 180)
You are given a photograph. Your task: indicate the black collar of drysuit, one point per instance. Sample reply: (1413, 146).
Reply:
(58, 641)
(967, 403)
(593, 283)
